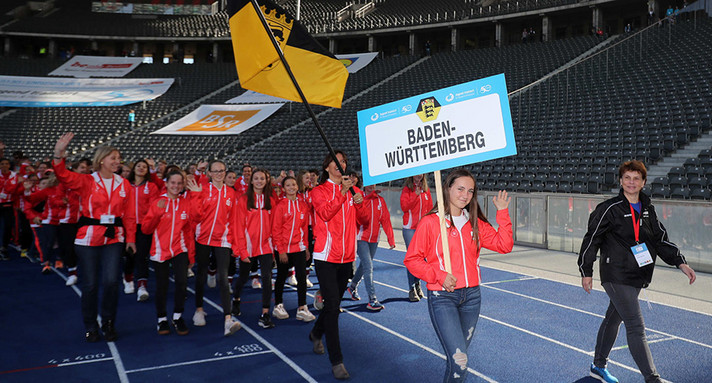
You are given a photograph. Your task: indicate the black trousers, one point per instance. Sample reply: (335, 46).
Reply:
(66, 236)
(299, 261)
(180, 274)
(202, 259)
(333, 278)
(139, 261)
(265, 262)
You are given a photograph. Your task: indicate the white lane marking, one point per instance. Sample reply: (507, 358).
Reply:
(123, 377)
(597, 315)
(198, 361)
(649, 342)
(120, 369)
(409, 340)
(527, 332)
(264, 341)
(83, 362)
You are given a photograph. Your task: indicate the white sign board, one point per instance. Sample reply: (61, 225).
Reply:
(354, 62)
(20, 91)
(446, 128)
(220, 120)
(97, 66)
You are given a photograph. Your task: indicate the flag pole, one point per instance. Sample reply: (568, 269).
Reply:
(299, 89)
(441, 218)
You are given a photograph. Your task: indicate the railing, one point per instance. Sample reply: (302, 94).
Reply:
(559, 221)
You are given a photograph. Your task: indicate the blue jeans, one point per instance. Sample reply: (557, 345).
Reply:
(407, 237)
(454, 316)
(366, 252)
(92, 260)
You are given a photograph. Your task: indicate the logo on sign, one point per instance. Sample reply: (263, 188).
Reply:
(449, 97)
(220, 121)
(428, 109)
(485, 88)
(407, 108)
(374, 117)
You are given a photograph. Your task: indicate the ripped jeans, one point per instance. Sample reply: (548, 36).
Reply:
(454, 316)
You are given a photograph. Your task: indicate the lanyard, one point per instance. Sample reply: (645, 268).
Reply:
(636, 223)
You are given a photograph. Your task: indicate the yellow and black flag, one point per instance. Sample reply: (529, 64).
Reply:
(320, 75)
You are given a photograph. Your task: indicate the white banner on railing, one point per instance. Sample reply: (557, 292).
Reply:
(97, 66)
(220, 119)
(354, 62)
(252, 97)
(20, 91)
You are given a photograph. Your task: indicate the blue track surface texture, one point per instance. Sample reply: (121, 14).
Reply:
(530, 330)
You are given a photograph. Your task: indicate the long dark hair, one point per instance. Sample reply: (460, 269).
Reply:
(267, 191)
(325, 164)
(473, 208)
(132, 175)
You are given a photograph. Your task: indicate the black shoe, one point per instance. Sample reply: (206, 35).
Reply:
(181, 327)
(92, 335)
(4, 256)
(265, 321)
(318, 346)
(413, 295)
(340, 372)
(236, 307)
(419, 291)
(163, 328)
(109, 331)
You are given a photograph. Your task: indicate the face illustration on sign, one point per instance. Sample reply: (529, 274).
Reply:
(220, 121)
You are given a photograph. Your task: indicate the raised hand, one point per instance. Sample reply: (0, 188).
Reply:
(501, 200)
(60, 147)
(193, 186)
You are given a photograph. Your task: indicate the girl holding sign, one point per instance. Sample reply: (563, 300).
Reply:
(415, 203)
(627, 231)
(454, 297)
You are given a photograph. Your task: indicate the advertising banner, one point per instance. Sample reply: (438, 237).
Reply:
(220, 120)
(20, 91)
(97, 66)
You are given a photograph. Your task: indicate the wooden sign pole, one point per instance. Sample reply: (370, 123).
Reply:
(441, 217)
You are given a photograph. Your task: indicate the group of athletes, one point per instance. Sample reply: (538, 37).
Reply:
(206, 218)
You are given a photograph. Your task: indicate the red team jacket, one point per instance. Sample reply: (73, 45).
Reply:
(55, 205)
(145, 194)
(213, 209)
(290, 226)
(253, 228)
(8, 185)
(464, 252)
(334, 223)
(96, 202)
(72, 213)
(374, 214)
(171, 229)
(414, 207)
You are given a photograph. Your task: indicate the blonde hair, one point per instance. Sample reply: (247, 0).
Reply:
(423, 183)
(101, 153)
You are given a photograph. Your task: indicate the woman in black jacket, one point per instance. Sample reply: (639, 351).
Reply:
(630, 237)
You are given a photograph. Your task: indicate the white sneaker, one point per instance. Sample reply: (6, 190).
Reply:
(72, 280)
(231, 326)
(279, 312)
(212, 281)
(129, 287)
(309, 283)
(256, 283)
(142, 294)
(199, 318)
(191, 274)
(305, 315)
(292, 281)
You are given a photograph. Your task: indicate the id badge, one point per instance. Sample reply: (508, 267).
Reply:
(107, 219)
(642, 255)
(3, 195)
